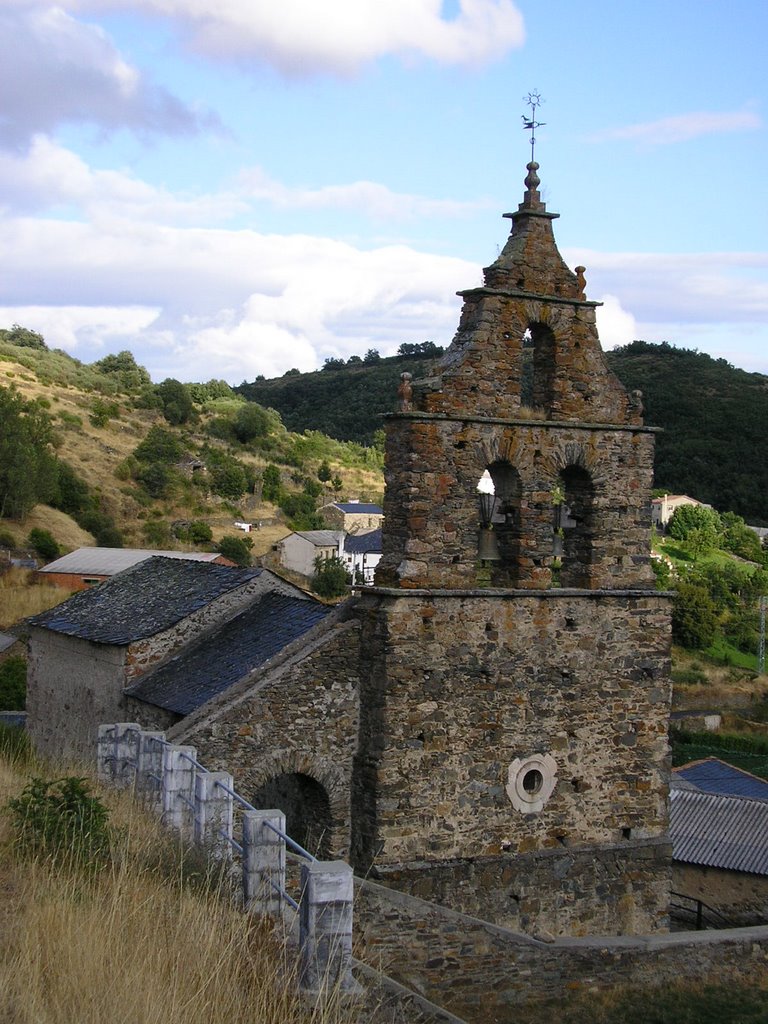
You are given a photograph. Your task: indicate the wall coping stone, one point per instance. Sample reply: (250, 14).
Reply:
(537, 296)
(558, 425)
(553, 592)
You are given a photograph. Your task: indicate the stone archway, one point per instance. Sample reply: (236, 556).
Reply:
(307, 809)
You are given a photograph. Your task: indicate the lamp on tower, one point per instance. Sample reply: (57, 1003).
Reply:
(488, 543)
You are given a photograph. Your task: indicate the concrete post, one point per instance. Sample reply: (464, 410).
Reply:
(105, 753)
(263, 862)
(179, 787)
(213, 813)
(326, 927)
(149, 769)
(116, 752)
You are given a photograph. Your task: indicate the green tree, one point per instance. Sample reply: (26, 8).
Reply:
(177, 401)
(200, 532)
(13, 683)
(43, 542)
(236, 549)
(27, 464)
(331, 578)
(324, 473)
(156, 478)
(694, 616)
(24, 338)
(251, 422)
(272, 485)
(159, 445)
(694, 517)
(126, 372)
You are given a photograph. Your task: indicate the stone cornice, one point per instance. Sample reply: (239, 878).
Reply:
(548, 424)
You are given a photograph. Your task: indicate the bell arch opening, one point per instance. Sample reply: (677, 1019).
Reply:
(500, 491)
(574, 527)
(306, 806)
(537, 370)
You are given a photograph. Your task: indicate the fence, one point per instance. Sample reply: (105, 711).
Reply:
(200, 805)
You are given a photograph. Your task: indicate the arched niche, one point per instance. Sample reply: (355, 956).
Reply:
(537, 370)
(574, 526)
(499, 493)
(306, 806)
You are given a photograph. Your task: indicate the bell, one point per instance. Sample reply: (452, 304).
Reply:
(488, 546)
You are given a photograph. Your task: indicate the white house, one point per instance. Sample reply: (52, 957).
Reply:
(298, 551)
(663, 508)
(361, 553)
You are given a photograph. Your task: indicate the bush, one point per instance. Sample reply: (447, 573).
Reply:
(159, 446)
(44, 543)
(102, 412)
(62, 820)
(251, 422)
(13, 684)
(200, 532)
(157, 532)
(694, 617)
(331, 578)
(236, 549)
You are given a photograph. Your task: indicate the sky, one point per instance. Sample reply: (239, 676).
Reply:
(231, 188)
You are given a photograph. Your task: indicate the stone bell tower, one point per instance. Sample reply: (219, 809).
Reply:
(512, 757)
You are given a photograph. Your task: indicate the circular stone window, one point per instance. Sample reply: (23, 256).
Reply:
(531, 782)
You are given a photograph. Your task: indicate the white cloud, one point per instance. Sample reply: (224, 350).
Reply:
(683, 127)
(302, 37)
(93, 328)
(615, 325)
(369, 197)
(56, 69)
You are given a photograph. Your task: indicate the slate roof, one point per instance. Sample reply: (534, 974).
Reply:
(140, 602)
(729, 832)
(363, 543)
(110, 561)
(214, 663)
(350, 507)
(711, 775)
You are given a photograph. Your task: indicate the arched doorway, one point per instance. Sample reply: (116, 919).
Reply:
(306, 806)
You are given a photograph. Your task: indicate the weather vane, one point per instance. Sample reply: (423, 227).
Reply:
(530, 124)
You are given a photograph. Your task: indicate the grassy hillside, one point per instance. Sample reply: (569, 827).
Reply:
(103, 414)
(713, 415)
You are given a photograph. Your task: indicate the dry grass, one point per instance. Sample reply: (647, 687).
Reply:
(725, 688)
(21, 595)
(130, 944)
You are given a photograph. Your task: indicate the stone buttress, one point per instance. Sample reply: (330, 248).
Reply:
(513, 758)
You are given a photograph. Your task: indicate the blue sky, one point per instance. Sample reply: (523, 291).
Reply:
(238, 188)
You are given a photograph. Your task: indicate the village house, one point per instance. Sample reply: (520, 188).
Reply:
(361, 553)
(298, 551)
(663, 508)
(87, 567)
(352, 516)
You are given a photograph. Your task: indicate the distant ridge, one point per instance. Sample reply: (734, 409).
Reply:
(715, 417)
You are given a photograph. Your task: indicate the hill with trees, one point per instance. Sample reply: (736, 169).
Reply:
(713, 415)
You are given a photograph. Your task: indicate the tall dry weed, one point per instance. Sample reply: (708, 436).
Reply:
(137, 943)
(21, 595)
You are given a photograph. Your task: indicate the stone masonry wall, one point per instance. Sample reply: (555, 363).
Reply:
(457, 687)
(740, 897)
(432, 507)
(483, 973)
(73, 686)
(298, 716)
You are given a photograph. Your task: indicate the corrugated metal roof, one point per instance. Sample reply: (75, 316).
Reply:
(711, 775)
(363, 543)
(110, 561)
(140, 602)
(321, 538)
(715, 831)
(221, 659)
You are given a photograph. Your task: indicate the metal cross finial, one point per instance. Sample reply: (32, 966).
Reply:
(534, 100)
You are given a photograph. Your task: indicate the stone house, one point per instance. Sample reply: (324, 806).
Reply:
(85, 567)
(352, 516)
(298, 551)
(486, 725)
(720, 851)
(85, 653)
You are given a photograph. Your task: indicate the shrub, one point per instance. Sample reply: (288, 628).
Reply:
(13, 684)
(200, 532)
(157, 532)
(251, 422)
(236, 549)
(43, 542)
(102, 412)
(331, 578)
(159, 446)
(62, 820)
(694, 617)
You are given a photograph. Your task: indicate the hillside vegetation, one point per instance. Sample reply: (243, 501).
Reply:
(99, 454)
(713, 415)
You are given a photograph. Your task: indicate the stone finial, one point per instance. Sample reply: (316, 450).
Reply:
(405, 392)
(582, 282)
(636, 401)
(532, 180)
